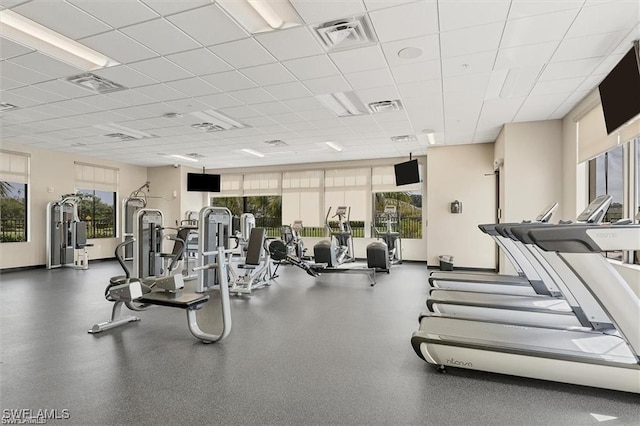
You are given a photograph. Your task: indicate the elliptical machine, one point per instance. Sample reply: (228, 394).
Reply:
(390, 218)
(339, 249)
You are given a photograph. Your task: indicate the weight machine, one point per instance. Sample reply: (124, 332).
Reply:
(66, 233)
(139, 295)
(135, 201)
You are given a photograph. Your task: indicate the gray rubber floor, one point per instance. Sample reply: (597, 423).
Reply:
(330, 350)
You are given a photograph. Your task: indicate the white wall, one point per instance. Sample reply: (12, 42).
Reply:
(55, 171)
(460, 172)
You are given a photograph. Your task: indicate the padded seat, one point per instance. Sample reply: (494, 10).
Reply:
(175, 300)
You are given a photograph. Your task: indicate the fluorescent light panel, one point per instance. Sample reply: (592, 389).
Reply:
(343, 104)
(184, 157)
(35, 36)
(116, 128)
(253, 152)
(217, 118)
(335, 146)
(258, 16)
(431, 137)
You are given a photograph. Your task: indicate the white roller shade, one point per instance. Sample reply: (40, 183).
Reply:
(302, 197)
(383, 179)
(262, 184)
(91, 176)
(592, 134)
(14, 166)
(348, 187)
(230, 186)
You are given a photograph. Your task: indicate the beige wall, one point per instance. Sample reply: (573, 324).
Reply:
(463, 173)
(53, 174)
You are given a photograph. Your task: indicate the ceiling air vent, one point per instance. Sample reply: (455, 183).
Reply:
(194, 155)
(276, 142)
(403, 138)
(4, 107)
(385, 106)
(122, 133)
(95, 83)
(208, 127)
(345, 33)
(121, 137)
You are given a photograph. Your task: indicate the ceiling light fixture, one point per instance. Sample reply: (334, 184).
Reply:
(335, 146)
(31, 34)
(343, 103)
(184, 157)
(117, 129)
(430, 136)
(253, 152)
(258, 16)
(218, 119)
(410, 53)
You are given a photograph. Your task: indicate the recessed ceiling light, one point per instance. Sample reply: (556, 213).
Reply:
(335, 146)
(410, 53)
(253, 152)
(184, 157)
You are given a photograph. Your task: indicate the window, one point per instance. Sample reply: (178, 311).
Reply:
(100, 183)
(606, 175)
(302, 200)
(14, 176)
(401, 211)
(266, 209)
(349, 188)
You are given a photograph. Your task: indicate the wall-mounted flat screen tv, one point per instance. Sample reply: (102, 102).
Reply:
(201, 182)
(407, 172)
(620, 91)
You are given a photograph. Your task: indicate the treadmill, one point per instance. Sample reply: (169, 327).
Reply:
(567, 304)
(521, 282)
(600, 358)
(538, 280)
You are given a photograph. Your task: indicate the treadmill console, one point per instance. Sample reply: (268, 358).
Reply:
(547, 212)
(595, 211)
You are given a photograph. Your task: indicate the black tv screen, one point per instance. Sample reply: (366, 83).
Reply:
(202, 182)
(620, 91)
(407, 172)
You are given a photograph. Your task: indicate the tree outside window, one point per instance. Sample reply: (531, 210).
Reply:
(13, 212)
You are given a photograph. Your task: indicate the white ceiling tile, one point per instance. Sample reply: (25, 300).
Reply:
(46, 65)
(551, 87)
(475, 13)
(169, 7)
(269, 74)
(331, 84)
(427, 89)
(161, 69)
(271, 108)
(498, 111)
(160, 36)
(303, 104)
(57, 16)
(322, 11)
(116, 13)
(598, 45)
(199, 62)
(470, 64)
(419, 71)
(256, 95)
(14, 99)
(216, 101)
(369, 79)
(9, 49)
(125, 76)
(361, 59)
(240, 112)
(568, 69)
(8, 83)
(36, 94)
(131, 97)
(161, 92)
(383, 4)
(468, 83)
(523, 31)
(103, 102)
(258, 121)
(539, 107)
(192, 87)
(430, 46)
(314, 115)
(417, 19)
(288, 90)
(291, 43)
(63, 88)
(22, 74)
(208, 25)
(312, 67)
(287, 118)
(471, 40)
(605, 17)
(119, 47)
(229, 81)
(243, 53)
(533, 54)
(526, 8)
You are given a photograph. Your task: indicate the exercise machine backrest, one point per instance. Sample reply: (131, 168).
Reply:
(255, 249)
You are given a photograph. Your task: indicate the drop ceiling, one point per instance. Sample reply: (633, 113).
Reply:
(467, 68)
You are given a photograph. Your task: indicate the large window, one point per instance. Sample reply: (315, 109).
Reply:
(14, 177)
(606, 175)
(267, 210)
(399, 212)
(98, 209)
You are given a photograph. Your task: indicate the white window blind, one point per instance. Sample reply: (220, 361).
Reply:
(302, 197)
(92, 176)
(348, 187)
(592, 134)
(14, 166)
(262, 184)
(383, 179)
(230, 186)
